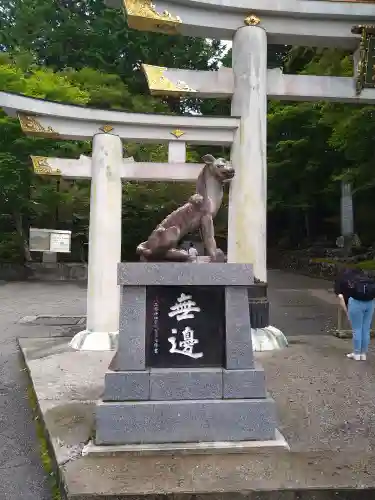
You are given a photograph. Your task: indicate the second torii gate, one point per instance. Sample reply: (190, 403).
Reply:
(107, 168)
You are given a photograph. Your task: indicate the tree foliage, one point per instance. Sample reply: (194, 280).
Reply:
(80, 52)
(313, 146)
(80, 34)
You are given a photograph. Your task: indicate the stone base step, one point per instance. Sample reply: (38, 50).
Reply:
(202, 448)
(185, 421)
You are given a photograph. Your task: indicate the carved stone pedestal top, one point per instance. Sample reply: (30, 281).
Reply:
(173, 274)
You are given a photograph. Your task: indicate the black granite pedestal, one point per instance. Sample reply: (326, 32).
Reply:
(184, 370)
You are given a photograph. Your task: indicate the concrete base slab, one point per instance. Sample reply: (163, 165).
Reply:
(94, 341)
(199, 448)
(331, 437)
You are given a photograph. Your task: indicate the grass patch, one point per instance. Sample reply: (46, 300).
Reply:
(367, 265)
(43, 445)
(321, 260)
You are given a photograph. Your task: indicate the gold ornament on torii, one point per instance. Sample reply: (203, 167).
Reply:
(106, 128)
(177, 133)
(30, 125)
(42, 166)
(252, 20)
(159, 83)
(365, 70)
(142, 15)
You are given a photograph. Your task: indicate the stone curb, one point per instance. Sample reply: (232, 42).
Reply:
(52, 320)
(39, 415)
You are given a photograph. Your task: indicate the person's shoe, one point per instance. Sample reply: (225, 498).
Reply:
(356, 357)
(363, 357)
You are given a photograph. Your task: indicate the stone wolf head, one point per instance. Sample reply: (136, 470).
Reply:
(220, 168)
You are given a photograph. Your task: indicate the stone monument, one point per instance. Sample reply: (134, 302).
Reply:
(184, 370)
(347, 240)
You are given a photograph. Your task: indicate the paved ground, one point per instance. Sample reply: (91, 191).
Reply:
(300, 306)
(21, 474)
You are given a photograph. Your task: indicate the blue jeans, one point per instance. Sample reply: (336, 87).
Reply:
(360, 315)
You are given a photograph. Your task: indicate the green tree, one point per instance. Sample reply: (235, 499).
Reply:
(303, 161)
(49, 202)
(70, 34)
(16, 178)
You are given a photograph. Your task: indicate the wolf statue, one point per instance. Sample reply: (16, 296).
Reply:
(197, 214)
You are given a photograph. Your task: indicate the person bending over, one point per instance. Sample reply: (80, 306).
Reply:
(356, 292)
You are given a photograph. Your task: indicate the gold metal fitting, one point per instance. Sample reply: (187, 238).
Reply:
(252, 20)
(106, 128)
(177, 133)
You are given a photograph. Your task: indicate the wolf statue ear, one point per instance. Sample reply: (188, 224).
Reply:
(208, 159)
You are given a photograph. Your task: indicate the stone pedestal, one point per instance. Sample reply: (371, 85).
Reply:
(184, 371)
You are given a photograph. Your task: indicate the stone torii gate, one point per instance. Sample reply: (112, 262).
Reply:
(322, 23)
(107, 168)
(105, 212)
(252, 25)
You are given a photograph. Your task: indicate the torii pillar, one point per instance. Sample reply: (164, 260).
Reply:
(103, 293)
(247, 224)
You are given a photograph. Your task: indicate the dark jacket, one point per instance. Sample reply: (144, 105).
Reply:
(343, 281)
